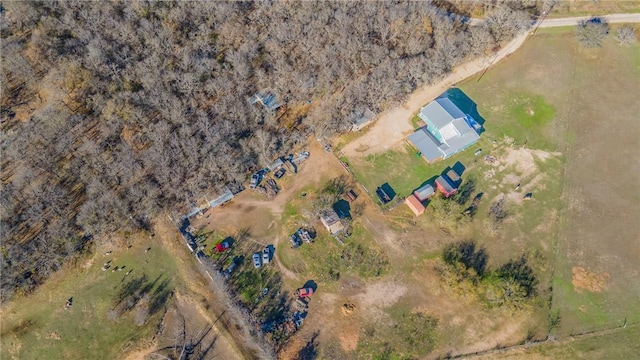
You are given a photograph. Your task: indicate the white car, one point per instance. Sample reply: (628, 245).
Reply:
(266, 255)
(257, 263)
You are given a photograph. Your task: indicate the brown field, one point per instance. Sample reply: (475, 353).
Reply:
(603, 201)
(594, 95)
(567, 8)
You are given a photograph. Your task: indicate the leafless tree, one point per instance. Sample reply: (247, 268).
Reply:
(626, 35)
(146, 104)
(591, 33)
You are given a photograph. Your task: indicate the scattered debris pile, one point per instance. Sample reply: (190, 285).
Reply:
(348, 308)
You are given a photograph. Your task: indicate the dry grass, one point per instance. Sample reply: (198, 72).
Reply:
(593, 92)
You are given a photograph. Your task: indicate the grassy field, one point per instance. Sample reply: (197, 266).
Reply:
(597, 249)
(39, 327)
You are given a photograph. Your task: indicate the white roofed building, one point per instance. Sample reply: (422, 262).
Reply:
(448, 130)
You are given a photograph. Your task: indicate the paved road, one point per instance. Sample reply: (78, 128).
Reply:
(393, 125)
(613, 18)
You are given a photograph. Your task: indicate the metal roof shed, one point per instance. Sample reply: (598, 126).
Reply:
(445, 187)
(424, 192)
(453, 176)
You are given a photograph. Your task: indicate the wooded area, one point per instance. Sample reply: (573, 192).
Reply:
(114, 111)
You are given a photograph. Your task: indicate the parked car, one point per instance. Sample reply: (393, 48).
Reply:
(257, 263)
(278, 174)
(266, 255)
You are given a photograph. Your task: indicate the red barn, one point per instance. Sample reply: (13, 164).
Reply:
(445, 187)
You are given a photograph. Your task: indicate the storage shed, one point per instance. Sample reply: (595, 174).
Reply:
(424, 192)
(445, 187)
(453, 176)
(415, 205)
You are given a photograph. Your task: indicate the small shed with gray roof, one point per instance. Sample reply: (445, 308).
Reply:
(360, 118)
(424, 192)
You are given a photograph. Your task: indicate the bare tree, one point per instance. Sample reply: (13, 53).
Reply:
(159, 93)
(497, 212)
(626, 35)
(591, 33)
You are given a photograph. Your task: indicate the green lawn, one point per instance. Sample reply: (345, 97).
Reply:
(403, 169)
(38, 326)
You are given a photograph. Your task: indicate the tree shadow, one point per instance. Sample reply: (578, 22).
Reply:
(465, 190)
(130, 288)
(465, 252)
(160, 296)
(135, 289)
(337, 186)
(242, 234)
(310, 350)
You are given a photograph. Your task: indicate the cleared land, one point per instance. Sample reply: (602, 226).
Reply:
(356, 314)
(584, 8)
(615, 344)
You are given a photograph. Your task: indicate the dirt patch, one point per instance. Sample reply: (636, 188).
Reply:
(584, 280)
(199, 315)
(251, 211)
(54, 336)
(521, 160)
(292, 349)
(382, 294)
(349, 337)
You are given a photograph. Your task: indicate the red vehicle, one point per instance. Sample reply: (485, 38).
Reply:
(305, 292)
(223, 246)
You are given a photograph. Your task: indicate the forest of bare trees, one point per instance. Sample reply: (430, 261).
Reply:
(114, 111)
